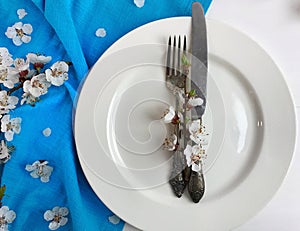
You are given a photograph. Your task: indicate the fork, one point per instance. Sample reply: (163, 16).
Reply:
(176, 82)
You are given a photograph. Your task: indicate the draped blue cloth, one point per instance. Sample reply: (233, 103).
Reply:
(65, 30)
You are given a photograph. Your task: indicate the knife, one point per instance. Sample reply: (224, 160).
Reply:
(196, 185)
(199, 58)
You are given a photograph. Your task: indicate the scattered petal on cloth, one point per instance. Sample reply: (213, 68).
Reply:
(6, 217)
(47, 132)
(114, 219)
(101, 32)
(21, 13)
(139, 3)
(57, 216)
(19, 33)
(40, 169)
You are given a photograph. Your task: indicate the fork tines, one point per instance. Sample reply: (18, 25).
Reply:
(173, 64)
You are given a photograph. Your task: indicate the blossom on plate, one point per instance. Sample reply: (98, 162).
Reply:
(5, 57)
(170, 116)
(6, 217)
(10, 126)
(40, 169)
(8, 76)
(37, 60)
(170, 143)
(7, 102)
(139, 3)
(100, 32)
(194, 102)
(58, 73)
(197, 132)
(21, 13)
(57, 216)
(193, 155)
(37, 86)
(5, 152)
(19, 33)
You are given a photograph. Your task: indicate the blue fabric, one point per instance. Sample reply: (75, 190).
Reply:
(65, 30)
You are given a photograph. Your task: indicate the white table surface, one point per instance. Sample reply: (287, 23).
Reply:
(275, 25)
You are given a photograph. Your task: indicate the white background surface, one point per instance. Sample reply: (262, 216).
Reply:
(274, 25)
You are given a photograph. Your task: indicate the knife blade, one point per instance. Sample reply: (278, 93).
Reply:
(196, 185)
(199, 58)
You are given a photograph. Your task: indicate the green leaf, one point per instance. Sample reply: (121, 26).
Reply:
(192, 93)
(185, 61)
(2, 191)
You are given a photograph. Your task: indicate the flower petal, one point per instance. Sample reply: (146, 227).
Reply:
(49, 215)
(139, 3)
(9, 135)
(45, 179)
(196, 167)
(3, 210)
(10, 32)
(27, 29)
(17, 41)
(29, 168)
(34, 174)
(26, 39)
(54, 225)
(63, 211)
(101, 32)
(63, 221)
(10, 216)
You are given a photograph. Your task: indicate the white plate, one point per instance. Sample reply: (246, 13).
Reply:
(250, 118)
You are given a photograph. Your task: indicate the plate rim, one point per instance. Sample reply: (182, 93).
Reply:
(295, 132)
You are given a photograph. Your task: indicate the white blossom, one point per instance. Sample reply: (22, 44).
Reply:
(7, 102)
(139, 3)
(193, 156)
(57, 216)
(37, 86)
(100, 32)
(58, 73)
(4, 152)
(8, 76)
(10, 126)
(6, 217)
(19, 33)
(29, 99)
(21, 13)
(21, 64)
(170, 144)
(170, 116)
(197, 132)
(194, 102)
(5, 57)
(38, 61)
(40, 169)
